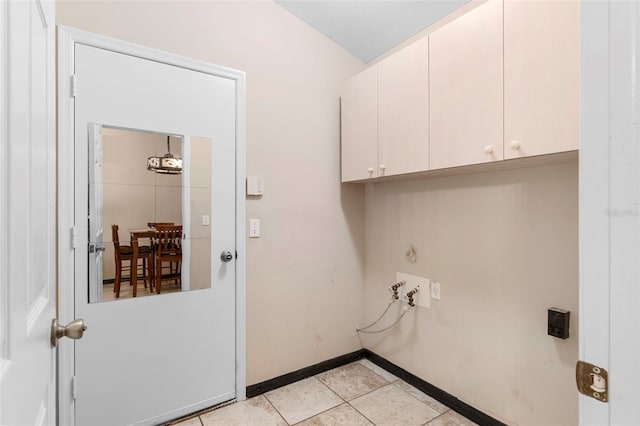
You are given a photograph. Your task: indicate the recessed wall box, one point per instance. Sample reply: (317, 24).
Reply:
(558, 323)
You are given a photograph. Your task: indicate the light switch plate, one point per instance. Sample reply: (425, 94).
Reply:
(254, 228)
(421, 298)
(435, 290)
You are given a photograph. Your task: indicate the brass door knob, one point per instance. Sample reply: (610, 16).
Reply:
(73, 330)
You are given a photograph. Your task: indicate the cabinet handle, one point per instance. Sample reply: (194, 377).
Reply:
(488, 149)
(382, 169)
(370, 170)
(515, 145)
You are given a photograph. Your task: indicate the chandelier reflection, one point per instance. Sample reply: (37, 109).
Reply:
(167, 164)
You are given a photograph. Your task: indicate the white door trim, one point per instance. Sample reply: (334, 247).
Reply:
(594, 199)
(4, 176)
(609, 199)
(67, 38)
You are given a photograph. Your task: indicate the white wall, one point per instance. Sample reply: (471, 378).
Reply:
(504, 246)
(305, 274)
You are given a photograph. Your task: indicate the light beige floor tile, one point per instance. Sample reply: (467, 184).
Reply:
(352, 380)
(191, 422)
(341, 415)
(301, 400)
(254, 411)
(423, 397)
(378, 370)
(451, 418)
(392, 406)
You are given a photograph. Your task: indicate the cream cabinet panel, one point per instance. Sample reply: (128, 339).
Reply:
(541, 77)
(466, 105)
(403, 111)
(359, 109)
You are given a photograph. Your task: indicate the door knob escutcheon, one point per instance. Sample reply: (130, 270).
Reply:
(73, 330)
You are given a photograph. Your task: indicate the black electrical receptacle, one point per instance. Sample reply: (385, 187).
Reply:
(558, 323)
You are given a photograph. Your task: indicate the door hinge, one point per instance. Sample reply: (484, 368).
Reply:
(74, 86)
(592, 381)
(74, 235)
(74, 387)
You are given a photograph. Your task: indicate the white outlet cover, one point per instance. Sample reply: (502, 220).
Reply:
(421, 298)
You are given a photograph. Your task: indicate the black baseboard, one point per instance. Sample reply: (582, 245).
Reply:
(447, 399)
(303, 373)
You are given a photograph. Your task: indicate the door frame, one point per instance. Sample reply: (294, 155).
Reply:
(609, 200)
(67, 39)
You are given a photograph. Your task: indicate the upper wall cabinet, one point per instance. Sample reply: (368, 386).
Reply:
(385, 117)
(403, 111)
(541, 77)
(466, 89)
(497, 83)
(359, 106)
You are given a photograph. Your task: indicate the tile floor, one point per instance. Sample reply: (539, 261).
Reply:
(126, 290)
(360, 393)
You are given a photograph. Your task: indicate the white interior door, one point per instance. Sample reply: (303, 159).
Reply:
(27, 213)
(144, 360)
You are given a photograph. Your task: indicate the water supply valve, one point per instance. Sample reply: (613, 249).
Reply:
(394, 290)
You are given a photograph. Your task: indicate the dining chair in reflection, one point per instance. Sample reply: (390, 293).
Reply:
(124, 253)
(154, 224)
(167, 245)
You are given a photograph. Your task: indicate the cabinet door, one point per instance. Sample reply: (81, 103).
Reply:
(466, 105)
(360, 126)
(403, 111)
(541, 77)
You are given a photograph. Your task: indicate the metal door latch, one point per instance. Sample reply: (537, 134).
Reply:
(73, 330)
(95, 248)
(592, 381)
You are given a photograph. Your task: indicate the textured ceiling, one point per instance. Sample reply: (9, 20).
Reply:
(368, 28)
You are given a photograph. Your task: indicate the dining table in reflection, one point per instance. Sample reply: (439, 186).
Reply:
(136, 235)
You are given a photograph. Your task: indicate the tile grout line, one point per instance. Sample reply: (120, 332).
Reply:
(322, 412)
(359, 396)
(327, 386)
(366, 393)
(436, 417)
(371, 391)
(413, 396)
(362, 414)
(394, 383)
(328, 409)
(273, 406)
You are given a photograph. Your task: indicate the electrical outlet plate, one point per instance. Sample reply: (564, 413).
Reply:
(421, 298)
